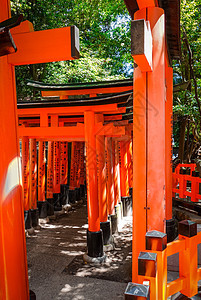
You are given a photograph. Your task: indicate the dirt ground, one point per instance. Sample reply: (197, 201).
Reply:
(56, 268)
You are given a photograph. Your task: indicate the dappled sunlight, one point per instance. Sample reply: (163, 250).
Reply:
(55, 253)
(13, 177)
(72, 253)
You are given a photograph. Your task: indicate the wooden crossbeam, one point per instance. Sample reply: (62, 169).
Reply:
(45, 46)
(69, 132)
(67, 111)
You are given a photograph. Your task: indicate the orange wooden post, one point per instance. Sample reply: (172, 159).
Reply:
(130, 165)
(33, 174)
(25, 182)
(42, 204)
(124, 169)
(13, 261)
(125, 197)
(56, 162)
(102, 190)
(117, 183)
(188, 258)
(156, 124)
(77, 165)
(49, 190)
(194, 187)
(33, 183)
(63, 169)
(182, 185)
(57, 174)
(72, 192)
(149, 138)
(94, 234)
(114, 170)
(110, 177)
(65, 163)
(77, 170)
(82, 171)
(170, 223)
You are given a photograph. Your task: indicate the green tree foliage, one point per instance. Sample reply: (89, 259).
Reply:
(187, 104)
(104, 40)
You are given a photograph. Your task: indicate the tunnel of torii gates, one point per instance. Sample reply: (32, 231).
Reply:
(97, 121)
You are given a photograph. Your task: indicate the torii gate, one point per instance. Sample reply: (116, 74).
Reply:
(93, 110)
(154, 43)
(32, 47)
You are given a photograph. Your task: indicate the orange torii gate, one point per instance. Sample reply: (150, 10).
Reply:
(31, 47)
(88, 132)
(63, 91)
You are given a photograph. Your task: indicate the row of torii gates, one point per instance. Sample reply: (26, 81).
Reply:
(93, 120)
(97, 121)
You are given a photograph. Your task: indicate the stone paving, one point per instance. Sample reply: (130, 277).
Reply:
(53, 250)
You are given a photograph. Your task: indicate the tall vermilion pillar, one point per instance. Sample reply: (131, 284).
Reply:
(56, 162)
(117, 181)
(82, 168)
(149, 139)
(25, 182)
(82, 171)
(105, 224)
(94, 234)
(110, 176)
(72, 180)
(42, 204)
(170, 223)
(50, 171)
(124, 168)
(130, 163)
(168, 139)
(25, 171)
(101, 171)
(50, 165)
(64, 164)
(33, 174)
(156, 124)
(72, 167)
(41, 171)
(125, 195)
(13, 261)
(77, 165)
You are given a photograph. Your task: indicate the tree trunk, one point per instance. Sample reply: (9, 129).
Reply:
(182, 139)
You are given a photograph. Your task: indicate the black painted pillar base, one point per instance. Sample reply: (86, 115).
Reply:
(77, 192)
(67, 194)
(121, 209)
(131, 192)
(113, 220)
(107, 234)
(72, 196)
(64, 194)
(57, 202)
(118, 213)
(27, 219)
(127, 206)
(50, 207)
(95, 243)
(171, 230)
(82, 190)
(32, 295)
(35, 217)
(42, 207)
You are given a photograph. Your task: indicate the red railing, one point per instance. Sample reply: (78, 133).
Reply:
(152, 265)
(184, 174)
